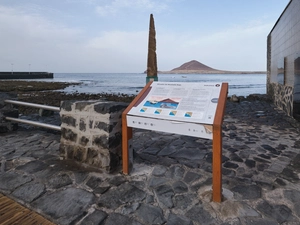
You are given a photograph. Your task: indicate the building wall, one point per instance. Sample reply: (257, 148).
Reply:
(283, 46)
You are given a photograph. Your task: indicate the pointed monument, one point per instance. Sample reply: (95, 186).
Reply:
(152, 62)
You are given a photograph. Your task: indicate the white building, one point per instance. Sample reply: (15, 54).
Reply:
(283, 60)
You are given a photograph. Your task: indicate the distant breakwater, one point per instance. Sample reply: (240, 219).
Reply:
(25, 75)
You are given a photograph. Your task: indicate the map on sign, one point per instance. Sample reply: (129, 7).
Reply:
(180, 101)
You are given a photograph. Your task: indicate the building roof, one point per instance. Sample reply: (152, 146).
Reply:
(280, 16)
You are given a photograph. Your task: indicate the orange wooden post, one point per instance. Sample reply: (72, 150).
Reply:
(217, 145)
(217, 164)
(127, 131)
(126, 136)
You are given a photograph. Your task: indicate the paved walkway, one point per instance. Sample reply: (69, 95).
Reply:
(171, 179)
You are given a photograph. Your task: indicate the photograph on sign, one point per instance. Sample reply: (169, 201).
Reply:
(162, 102)
(180, 101)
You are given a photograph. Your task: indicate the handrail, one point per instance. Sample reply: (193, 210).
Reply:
(52, 108)
(34, 123)
(53, 127)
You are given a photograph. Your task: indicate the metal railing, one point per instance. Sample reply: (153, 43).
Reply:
(34, 123)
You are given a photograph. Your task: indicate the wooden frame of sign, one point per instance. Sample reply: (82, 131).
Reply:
(215, 129)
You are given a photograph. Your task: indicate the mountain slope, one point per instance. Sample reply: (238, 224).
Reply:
(193, 65)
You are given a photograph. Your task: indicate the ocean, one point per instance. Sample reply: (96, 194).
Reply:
(132, 83)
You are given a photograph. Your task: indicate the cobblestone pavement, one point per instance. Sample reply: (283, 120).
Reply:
(171, 179)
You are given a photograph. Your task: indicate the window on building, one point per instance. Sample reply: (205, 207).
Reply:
(281, 70)
(297, 77)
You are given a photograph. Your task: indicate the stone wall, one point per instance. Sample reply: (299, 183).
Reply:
(282, 96)
(91, 133)
(7, 110)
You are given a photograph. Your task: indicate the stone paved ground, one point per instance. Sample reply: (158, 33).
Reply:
(171, 179)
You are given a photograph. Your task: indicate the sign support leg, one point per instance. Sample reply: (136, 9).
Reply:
(217, 164)
(127, 131)
(217, 144)
(126, 136)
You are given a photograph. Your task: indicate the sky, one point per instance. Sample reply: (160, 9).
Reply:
(111, 36)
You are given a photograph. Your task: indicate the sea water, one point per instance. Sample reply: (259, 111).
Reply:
(132, 83)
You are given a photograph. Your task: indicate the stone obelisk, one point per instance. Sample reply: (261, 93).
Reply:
(152, 62)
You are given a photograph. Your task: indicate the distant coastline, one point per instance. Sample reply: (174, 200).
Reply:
(25, 75)
(210, 72)
(195, 67)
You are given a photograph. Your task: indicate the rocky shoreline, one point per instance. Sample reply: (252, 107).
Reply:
(50, 93)
(47, 93)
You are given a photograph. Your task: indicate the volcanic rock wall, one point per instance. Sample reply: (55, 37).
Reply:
(91, 133)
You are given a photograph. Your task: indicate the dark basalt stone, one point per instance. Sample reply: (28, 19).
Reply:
(248, 191)
(230, 165)
(250, 163)
(110, 107)
(68, 134)
(280, 213)
(68, 120)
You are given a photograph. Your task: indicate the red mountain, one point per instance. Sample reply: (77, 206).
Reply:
(193, 65)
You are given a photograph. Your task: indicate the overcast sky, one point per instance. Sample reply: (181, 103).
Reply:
(111, 36)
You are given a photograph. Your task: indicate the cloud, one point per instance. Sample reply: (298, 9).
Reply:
(81, 1)
(33, 26)
(120, 40)
(118, 6)
(236, 48)
(31, 39)
(120, 51)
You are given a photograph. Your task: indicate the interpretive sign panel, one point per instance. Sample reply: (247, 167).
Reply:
(188, 102)
(180, 108)
(192, 109)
